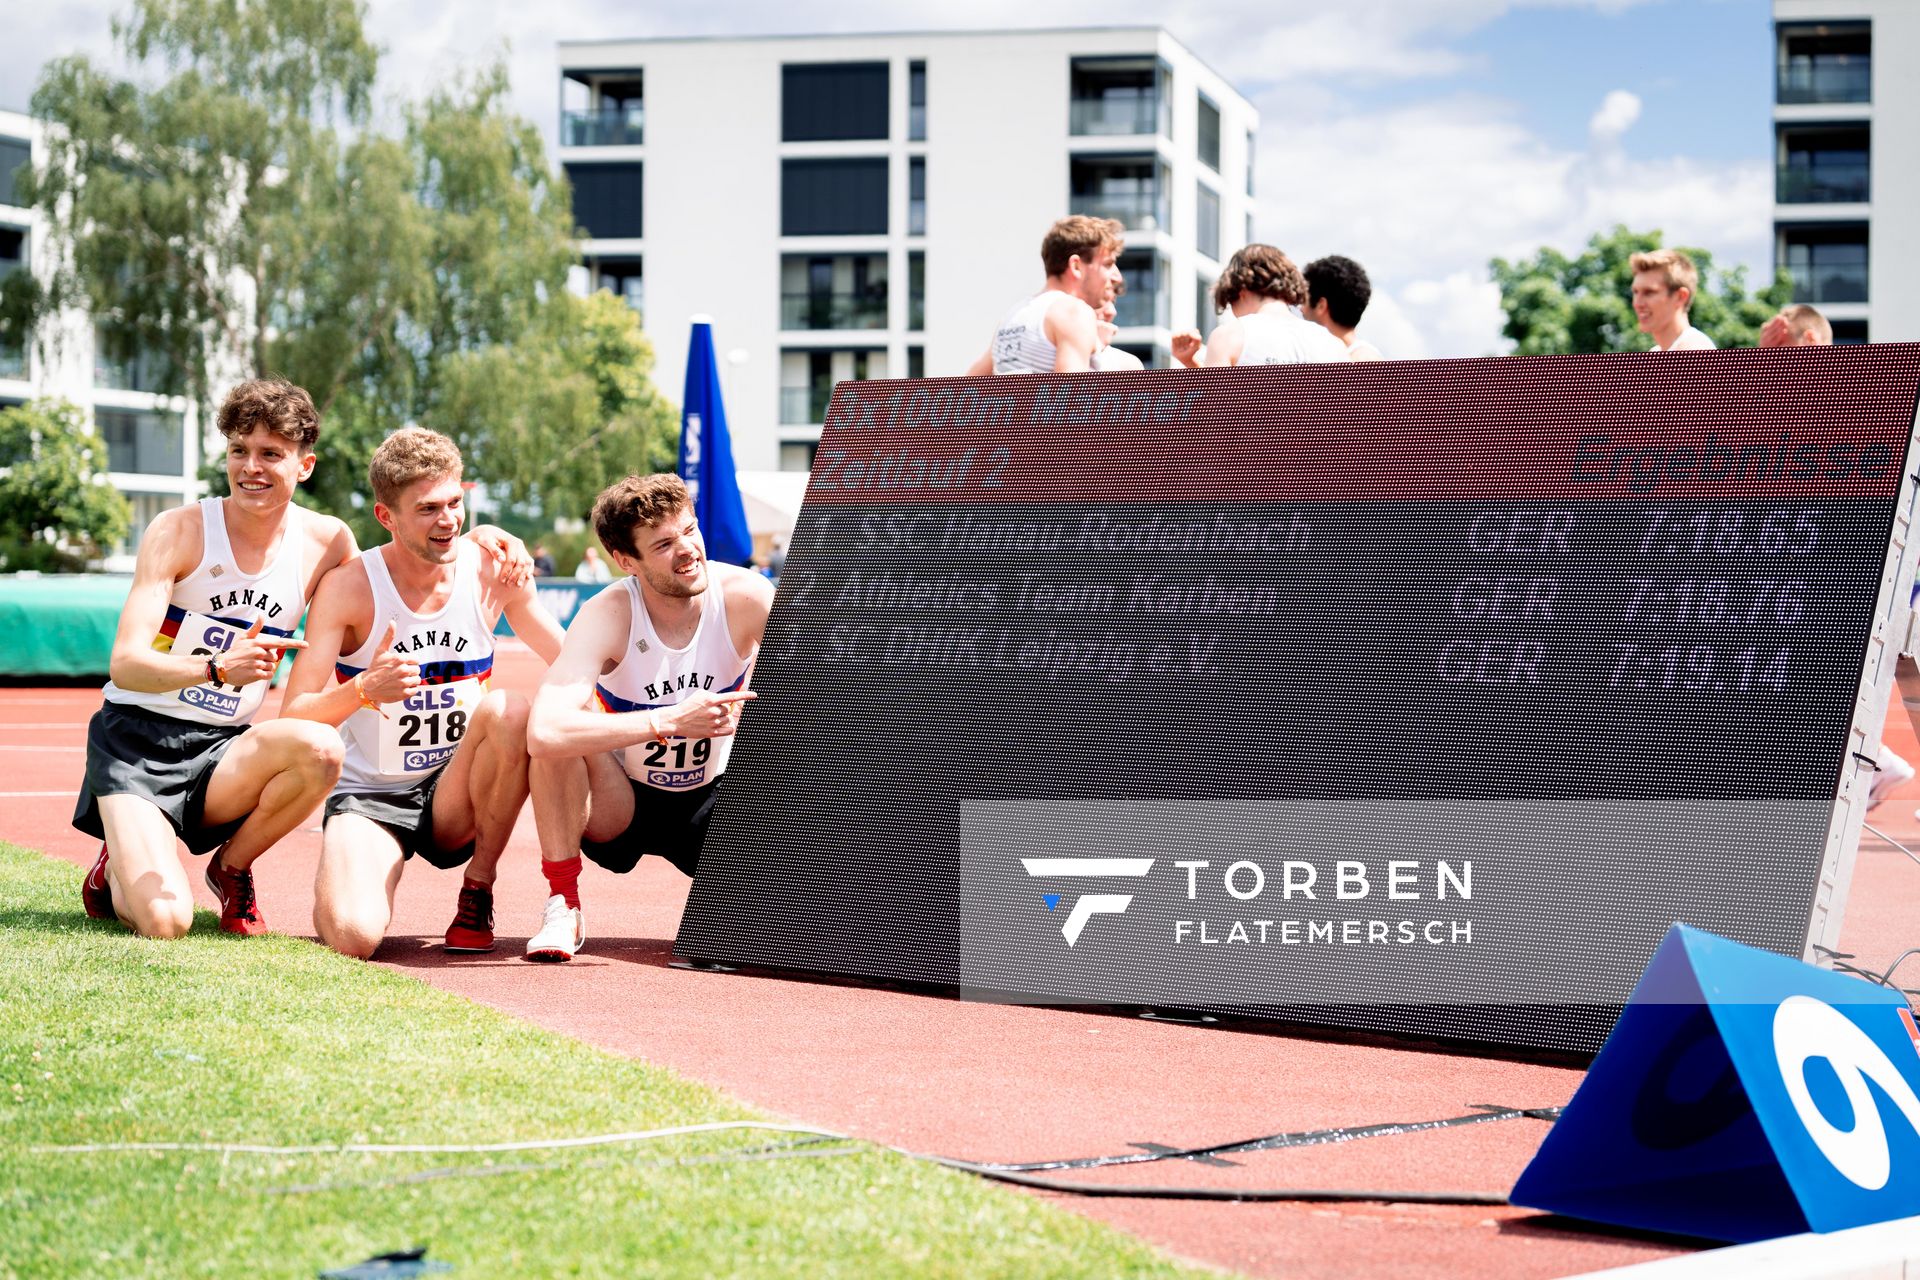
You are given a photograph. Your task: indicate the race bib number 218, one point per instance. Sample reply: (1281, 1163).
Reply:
(421, 732)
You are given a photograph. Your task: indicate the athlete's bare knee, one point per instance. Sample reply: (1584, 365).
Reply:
(357, 938)
(165, 918)
(506, 717)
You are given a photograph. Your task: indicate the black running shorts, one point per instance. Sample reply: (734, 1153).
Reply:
(666, 824)
(408, 816)
(166, 761)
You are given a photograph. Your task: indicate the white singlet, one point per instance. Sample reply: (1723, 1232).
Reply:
(1690, 339)
(650, 676)
(454, 650)
(1021, 344)
(1278, 336)
(215, 605)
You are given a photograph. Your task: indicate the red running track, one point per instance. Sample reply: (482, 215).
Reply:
(1001, 1082)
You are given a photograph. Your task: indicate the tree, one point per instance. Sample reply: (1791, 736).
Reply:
(580, 375)
(57, 510)
(1556, 304)
(242, 212)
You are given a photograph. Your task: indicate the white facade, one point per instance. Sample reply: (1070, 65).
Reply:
(154, 443)
(1002, 148)
(1847, 131)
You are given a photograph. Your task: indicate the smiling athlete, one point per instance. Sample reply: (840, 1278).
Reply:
(401, 648)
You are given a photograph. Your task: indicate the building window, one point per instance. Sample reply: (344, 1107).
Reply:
(1250, 154)
(1828, 264)
(1131, 189)
(916, 362)
(147, 508)
(916, 102)
(1204, 316)
(797, 455)
(607, 200)
(1120, 96)
(147, 444)
(1249, 239)
(833, 197)
(1143, 300)
(1209, 134)
(602, 109)
(807, 379)
(917, 196)
(1824, 166)
(833, 291)
(145, 370)
(833, 101)
(15, 154)
(1825, 63)
(13, 257)
(916, 292)
(1848, 333)
(623, 278)
(1206, 212)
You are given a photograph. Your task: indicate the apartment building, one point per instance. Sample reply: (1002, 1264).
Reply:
(153, 441)
(1846, 122)
(870, 206)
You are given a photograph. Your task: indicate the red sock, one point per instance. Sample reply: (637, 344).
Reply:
(563, 878)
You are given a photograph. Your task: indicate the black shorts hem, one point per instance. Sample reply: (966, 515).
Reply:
(407, 816)
(666, 824)
(166, 761)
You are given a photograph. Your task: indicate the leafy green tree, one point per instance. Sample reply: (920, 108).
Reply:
(57, 510)
(240, 210)
(580, 375)
(1556, 304)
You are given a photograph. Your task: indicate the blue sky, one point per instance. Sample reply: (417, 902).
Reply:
(1424, 137)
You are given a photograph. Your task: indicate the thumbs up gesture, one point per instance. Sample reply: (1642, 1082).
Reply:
(253, 656)
(390, 677)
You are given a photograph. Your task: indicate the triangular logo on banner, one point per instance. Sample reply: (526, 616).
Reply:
(1741, 1096)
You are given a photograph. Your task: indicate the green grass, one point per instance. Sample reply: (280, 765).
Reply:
(276, 1041)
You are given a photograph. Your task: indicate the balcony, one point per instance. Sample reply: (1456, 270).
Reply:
(145, 372)
(1829, 183)
(1821, 81)
(1829, 282)
(1132, 191)
(13, 360)
(1119, 97)
(834, 310)
(804, 406)
(622, 126)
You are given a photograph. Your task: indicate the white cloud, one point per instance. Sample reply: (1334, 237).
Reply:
(1618, 110)
(1425, 195)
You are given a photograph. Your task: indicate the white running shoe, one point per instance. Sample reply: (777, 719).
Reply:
(1892, 772)
(562, 933)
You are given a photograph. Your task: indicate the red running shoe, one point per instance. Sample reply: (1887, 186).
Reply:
(239, 913)
(96, 895)
(472, 927)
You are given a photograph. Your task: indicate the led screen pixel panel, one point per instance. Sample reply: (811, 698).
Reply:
(1411, 698)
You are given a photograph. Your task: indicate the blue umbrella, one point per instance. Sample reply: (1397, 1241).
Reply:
(706, 455)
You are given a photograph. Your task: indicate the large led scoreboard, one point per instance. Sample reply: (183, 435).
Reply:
(1416, 698)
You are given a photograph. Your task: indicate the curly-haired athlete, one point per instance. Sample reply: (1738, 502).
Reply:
(632, 729)
(1261, 287)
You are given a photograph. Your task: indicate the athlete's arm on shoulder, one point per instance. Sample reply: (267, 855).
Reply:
(514, 596)
(337, 623)
(749, 597)
(982, 366)
(1075, 331)
(169, 551)
(1226, 345)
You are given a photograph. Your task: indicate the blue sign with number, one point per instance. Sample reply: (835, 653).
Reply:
(1742, 1096)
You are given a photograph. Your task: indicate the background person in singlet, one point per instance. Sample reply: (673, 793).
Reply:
(1055, 331)
(1261, 287)
(633, 726)
(400, 650)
